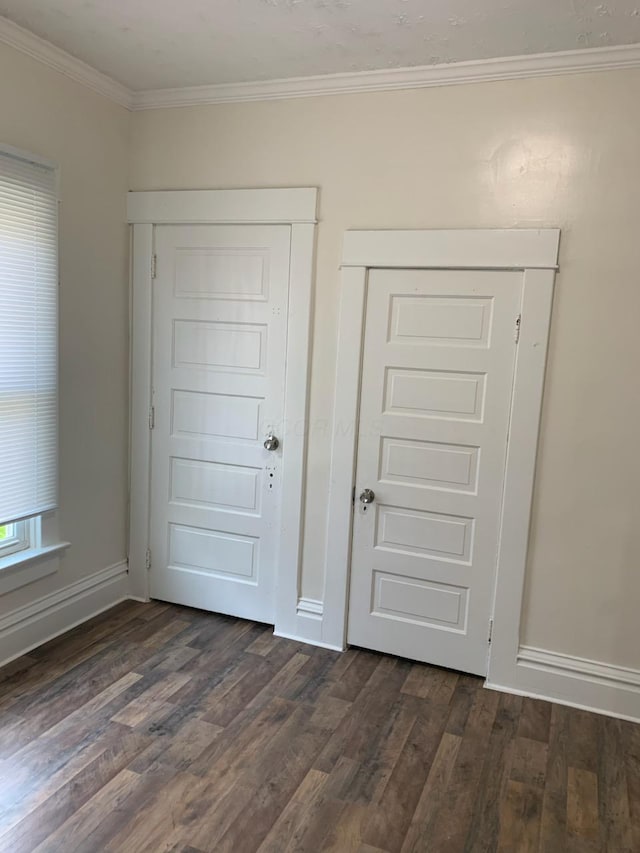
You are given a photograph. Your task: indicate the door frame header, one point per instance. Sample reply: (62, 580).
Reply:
(295, 207)
(284, 206)
(487, 248)
(535, 252)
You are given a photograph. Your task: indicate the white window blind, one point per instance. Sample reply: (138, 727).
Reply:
(28, 338)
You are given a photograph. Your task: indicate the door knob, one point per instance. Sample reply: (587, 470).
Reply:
(271, 443)
(368, 496)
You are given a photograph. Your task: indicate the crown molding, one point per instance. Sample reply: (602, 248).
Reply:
(425, 76)
(384, 80)
(58, 59)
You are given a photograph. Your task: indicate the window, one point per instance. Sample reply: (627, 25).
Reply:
(28, 346)
(13, 537)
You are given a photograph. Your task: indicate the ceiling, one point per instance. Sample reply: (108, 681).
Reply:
(151, 44)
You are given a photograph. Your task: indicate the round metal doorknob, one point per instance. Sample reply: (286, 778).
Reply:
(368, 496)
(271, 443)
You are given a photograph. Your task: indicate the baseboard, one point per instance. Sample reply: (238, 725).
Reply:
(302, 639)
(27, 627)
(305, 625)
(577, 682)
(308, 624)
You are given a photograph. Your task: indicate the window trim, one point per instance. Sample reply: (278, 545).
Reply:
(35, 561)
(30, 157)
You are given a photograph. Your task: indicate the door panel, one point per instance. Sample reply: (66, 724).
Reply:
(212, 346)
(219, 340)
(429, 464)
(438, 362)
(433, 393)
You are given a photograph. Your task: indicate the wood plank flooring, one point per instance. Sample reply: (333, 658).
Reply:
(161, 728)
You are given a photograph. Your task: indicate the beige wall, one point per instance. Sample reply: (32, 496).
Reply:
(88, 136)
(557, 152)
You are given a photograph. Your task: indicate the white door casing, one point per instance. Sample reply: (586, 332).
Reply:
(438, 357)
(219, 345)
(533, 255)
(294, 208)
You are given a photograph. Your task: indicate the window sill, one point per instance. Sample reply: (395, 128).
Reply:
(29, 565)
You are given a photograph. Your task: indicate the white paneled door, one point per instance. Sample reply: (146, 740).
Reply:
(438, 362)
(219, 339)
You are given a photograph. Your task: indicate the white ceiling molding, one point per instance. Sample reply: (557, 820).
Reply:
(47, 53)
(384, 80)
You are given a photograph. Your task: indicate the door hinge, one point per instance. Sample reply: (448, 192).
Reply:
(152, 417)
(353, 496)
(516, 336)
(154, 266)
(147, 559)
(490, 631)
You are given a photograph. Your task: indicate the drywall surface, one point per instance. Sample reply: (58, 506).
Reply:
(548, 152)
(44, 112)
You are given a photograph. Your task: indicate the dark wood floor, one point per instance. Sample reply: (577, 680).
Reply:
(160, 728)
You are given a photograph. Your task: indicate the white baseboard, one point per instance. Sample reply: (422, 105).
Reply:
(302, 639)
(47, 617)
(539, 673)
(308, 623)
(577, 682)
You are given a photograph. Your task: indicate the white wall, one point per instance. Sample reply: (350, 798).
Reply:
(547, 152)
(88, 137)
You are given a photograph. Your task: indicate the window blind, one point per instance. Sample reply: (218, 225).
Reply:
(28, 338)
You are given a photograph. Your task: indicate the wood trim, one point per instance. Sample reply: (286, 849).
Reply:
(30, 565)
(211, 207)
(526, 407)
(603, 672)
(230, 207)
(139, 407)
(387, 80)
(576, 682)
(343, 455)
(463, 249)
(47, 617)
(29, 157)
(454, 249)
(304, 638)
(59, 60)
(306, 624)
(296, 402)
(310, 606)
(618, 57)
